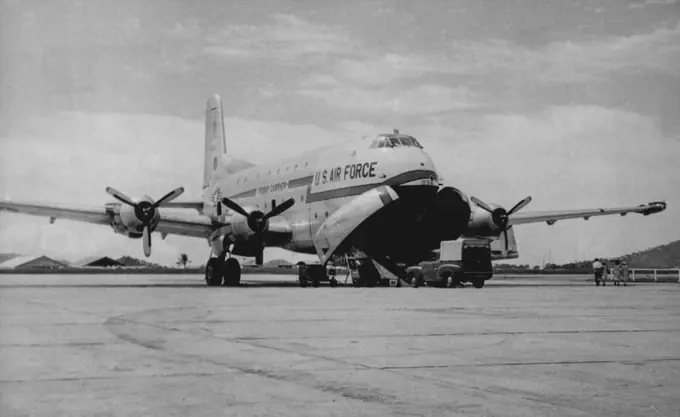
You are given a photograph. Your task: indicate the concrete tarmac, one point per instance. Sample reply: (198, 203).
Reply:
(112, 345)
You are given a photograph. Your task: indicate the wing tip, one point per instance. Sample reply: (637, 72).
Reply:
(653, 207)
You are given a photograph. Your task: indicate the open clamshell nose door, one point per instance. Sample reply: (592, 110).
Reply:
(347, 218)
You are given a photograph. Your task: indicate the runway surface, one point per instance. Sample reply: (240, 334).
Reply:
(167, 345)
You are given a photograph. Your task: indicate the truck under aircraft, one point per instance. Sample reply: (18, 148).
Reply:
(379, 195)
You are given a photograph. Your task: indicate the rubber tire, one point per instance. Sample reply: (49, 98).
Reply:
(232, 273)
(213, 273)
(333, 282)
(478, 283)
(413, 278)
(447, 278)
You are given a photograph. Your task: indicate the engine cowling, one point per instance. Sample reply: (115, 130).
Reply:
(243, 228)
(482, 222)
(129, 220)
(491, 219)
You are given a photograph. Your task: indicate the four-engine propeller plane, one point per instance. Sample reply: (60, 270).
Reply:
(381, 196)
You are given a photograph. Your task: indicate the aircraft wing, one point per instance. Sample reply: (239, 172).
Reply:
(185, 224)
(551, 217)
(194, 205)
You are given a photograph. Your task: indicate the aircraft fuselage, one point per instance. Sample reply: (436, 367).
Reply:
(321, 181)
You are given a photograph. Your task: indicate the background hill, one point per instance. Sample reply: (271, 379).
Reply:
(658, 257)
(664, 256)
(130, 261)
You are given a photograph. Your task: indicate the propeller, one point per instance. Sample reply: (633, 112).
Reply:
(500, 216)
(257, 220)
(145, 211)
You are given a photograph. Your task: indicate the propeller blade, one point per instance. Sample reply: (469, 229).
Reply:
(234, 206)
(481, 204)
(169, 197)
(276, 210)
(505, 237)
(120, 196)
(146, 238)
(519, 206)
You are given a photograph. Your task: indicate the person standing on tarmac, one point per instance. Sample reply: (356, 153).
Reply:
(624, 274)
(598, 269)
(617, 270)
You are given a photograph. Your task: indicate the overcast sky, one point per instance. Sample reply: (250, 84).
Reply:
(575, 103)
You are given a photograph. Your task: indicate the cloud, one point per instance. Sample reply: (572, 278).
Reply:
(375, 69)
(571, 61)
(645, 3)
(289, 38)
(421, 99)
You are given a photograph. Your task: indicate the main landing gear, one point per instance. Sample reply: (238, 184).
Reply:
(221, 271)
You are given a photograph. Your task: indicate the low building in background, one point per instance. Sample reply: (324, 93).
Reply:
(99, 262)
(30, 261)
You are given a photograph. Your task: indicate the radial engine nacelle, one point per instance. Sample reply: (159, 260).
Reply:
(129, 220)
(250, 225)
(491, 219)
(138, 218)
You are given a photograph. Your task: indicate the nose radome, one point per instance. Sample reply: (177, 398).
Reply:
(421, 161)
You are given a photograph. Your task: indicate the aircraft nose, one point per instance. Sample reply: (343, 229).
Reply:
(420, 166)
(425, 163)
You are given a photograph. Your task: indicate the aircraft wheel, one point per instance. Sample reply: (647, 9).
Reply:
(232, 272)
(303, 281)
(413, 278)
(333, 282)
(478, 283)
(213, 272)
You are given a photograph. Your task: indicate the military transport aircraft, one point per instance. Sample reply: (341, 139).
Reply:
(379, 195)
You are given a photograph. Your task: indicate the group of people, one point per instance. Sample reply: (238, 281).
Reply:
(617, 273)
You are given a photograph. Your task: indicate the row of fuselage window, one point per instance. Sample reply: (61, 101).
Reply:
(302, 199)
(278, 171)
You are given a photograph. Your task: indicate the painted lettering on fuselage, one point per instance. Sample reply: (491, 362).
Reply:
(358, 171)
(273, 188)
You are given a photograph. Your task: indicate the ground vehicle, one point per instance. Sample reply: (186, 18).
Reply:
(313, 274)
(456, 262)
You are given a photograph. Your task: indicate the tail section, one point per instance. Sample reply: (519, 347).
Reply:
(215, 143)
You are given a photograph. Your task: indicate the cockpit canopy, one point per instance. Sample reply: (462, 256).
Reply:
(395, 140)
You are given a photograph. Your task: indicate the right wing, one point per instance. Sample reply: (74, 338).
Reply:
(551, 217)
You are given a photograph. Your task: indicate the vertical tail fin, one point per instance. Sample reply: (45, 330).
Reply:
(215, 143)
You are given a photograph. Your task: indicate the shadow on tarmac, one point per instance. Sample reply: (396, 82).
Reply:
(251, 284)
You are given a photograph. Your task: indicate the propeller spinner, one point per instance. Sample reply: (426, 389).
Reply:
(145, 211)
(500, 216)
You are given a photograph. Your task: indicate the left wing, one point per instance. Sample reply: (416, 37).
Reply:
(551, 217)
(184, 224)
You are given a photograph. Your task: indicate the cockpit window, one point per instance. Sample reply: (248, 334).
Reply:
(395, 141)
